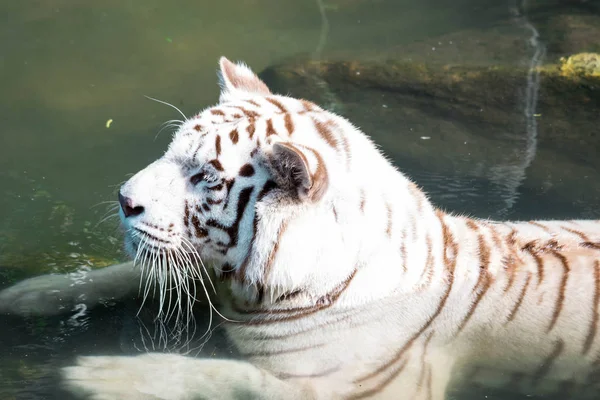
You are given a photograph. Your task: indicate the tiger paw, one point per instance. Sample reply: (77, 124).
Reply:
(42, 295)
(149, 376)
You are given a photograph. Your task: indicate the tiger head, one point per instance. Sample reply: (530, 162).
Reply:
(259, 187)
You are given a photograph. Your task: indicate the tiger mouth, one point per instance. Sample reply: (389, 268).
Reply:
(147, 245)
(147, 235)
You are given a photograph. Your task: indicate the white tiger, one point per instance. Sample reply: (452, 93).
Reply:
(338, 276)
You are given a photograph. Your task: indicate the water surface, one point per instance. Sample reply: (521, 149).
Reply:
(67, 68)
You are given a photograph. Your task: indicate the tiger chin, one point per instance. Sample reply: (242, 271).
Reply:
(336, 276)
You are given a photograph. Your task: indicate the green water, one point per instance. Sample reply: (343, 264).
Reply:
(67, 68)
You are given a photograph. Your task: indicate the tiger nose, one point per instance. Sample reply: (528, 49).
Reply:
(128, 206)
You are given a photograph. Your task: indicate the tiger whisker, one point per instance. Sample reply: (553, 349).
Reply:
(140, 251)
(106, 218)
(149, 283)
(169, 124)
(168, 104)
(211, 305)
(175, 278)
(176, 122)
(196, 272)
(113, 202)
(118, 185)
(173, 273)
(162, 282)
(191, 297)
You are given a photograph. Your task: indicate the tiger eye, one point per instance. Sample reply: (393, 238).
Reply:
(196, 179)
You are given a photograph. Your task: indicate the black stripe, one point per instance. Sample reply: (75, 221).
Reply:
(232, 231)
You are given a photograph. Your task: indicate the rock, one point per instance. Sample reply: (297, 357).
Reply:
(582, 65)
(473, 136)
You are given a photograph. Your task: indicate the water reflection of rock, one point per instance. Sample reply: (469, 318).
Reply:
(460, 131)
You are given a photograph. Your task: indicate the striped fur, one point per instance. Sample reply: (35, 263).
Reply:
(341, 280)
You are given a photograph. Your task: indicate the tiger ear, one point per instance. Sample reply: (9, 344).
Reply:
(238, 81)
(300, 170)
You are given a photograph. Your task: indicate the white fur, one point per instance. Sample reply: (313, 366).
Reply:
(405, 312)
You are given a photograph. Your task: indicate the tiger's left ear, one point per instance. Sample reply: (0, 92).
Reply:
(300, 170)
(238, 81)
